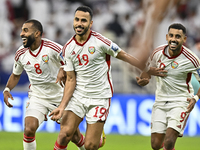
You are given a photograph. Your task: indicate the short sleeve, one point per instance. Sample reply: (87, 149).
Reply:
(17, 68)
(68, 63)
(112, 50)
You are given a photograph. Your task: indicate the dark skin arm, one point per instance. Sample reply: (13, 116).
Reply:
(12, 82)
(192, 102)
(70, 85)
(61, 77)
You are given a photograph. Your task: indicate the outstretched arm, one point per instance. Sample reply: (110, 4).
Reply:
(130, 59)
(141, 65)
(12, 82)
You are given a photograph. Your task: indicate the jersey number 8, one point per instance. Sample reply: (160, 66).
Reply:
(37, 69)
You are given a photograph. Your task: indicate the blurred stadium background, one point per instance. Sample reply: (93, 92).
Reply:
(120, 21)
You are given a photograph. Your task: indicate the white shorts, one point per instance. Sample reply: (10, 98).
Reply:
(163, 118)
(94, 109)
(39, 108)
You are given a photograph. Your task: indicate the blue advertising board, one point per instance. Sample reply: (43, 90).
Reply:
(129, 114)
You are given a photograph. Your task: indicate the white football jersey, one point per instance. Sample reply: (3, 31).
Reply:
(177, 84)
(41, 66)
(91, 62)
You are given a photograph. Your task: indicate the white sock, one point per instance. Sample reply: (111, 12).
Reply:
(29, 143)
(29, 146)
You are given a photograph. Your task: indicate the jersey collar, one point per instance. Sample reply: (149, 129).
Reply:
(84, 42)
(42, 42)
(166, 48)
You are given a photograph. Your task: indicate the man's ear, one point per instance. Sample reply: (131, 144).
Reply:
(37, 33)
(185, 38)
(166, 37)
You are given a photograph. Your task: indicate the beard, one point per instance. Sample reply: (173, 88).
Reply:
(83, 32)
(30, 40)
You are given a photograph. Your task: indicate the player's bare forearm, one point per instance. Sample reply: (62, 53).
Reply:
(69, 88)
(130, 59)
(192, 101)
(70, 84)
(61, 77)
(12, 81)
(191, 105)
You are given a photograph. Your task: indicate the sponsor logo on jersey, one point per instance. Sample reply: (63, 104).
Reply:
(174, 65)
(198, 71)
(45, 58)
(114, 47)
(73, 53)
(179, 126)
(28, 63)
(91, 49)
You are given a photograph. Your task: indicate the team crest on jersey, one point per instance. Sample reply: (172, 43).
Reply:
(174, 65)
(114, 47)
(198, 71)
(91, 49)
(45, 58)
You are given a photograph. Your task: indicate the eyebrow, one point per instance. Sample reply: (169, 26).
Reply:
(24, 28)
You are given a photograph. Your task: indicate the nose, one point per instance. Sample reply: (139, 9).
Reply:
(79, 22)
(173, 38)
(21, 33)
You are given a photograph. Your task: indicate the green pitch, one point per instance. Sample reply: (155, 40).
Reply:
(45, 141)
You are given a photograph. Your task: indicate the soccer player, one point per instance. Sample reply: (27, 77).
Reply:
(174, 93)
(41, 59)
(88, 89)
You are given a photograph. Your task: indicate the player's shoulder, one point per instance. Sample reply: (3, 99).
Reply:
(190, 56)
(100, 38)
(69, 42)
(158, 50)
(21, 50)
(52, 45)
(186, 51)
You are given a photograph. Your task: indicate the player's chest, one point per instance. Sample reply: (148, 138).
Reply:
(176, 67)
(36, 63)
(86, 55)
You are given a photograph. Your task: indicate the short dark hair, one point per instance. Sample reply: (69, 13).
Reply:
(85, 9)
(177, 26)
(36, 24)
